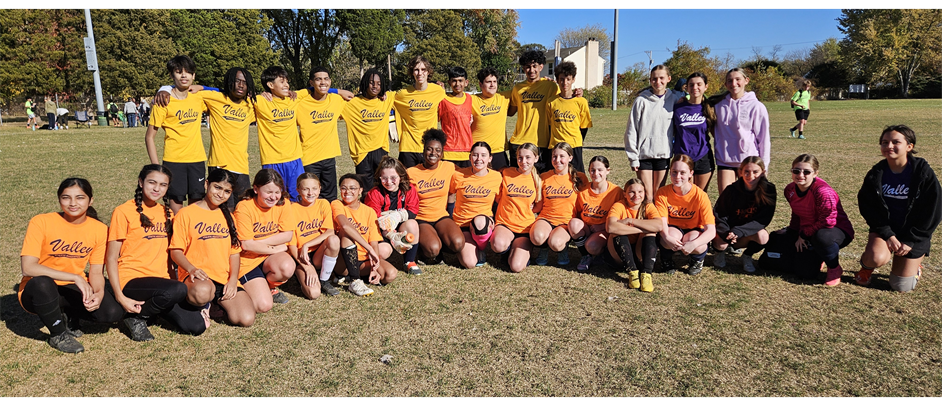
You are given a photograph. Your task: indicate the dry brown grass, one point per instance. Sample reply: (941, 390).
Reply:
(486, 332)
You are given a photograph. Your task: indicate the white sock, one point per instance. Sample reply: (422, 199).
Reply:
(327, 267)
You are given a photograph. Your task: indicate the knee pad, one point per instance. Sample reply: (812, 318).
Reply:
(481, 239)
(903, 283)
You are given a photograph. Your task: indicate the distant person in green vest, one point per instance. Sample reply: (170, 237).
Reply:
(113, 110)
(30, 114)
(801, 102)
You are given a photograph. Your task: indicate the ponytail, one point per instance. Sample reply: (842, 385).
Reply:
(233, 236)
(138, 203)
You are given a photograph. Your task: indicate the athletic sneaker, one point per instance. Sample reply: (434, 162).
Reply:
(413, 269)
(66, 343)
(341, 280)
(863, 276)
(834, 276)
(634, 281)
(748, 265)
(543, 257)
(695, 267)
(562, 257)
(138, 328)
(734, 251)
(792, 130)
(584, 263)
(719, 260)
(482, 258)
(432, 261)
(647, 285)
(668, 267)
(328, 289)
(357, 287)
(801, 136)
(75, 326)
(278, 296)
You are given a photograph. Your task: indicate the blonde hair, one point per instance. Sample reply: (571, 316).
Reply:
(576, 181)
(537, 180)
(638, 181)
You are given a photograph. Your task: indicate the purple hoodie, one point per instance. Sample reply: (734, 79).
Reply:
(742, 130)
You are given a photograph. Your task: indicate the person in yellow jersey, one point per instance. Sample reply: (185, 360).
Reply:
(184, 154)
(530, 97)
(416, 111)
(278, 139)
(317, 119)
(568, 115)
(367, 119)
(231, 112)
(490, 109)
(455, 114)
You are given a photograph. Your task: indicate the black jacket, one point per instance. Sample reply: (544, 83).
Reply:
(923, 208)
(738, 211)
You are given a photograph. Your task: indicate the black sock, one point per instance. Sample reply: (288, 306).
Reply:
(52, 316)
(698, 257)
(752, 247)
(801, 133)
(830, 254)
(623, 248)
(648, 254)
(583, 250)
(666, 255)
(410, 255)
(793, 129)
(352, 259)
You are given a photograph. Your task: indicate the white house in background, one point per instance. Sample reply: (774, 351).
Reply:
(589, 65)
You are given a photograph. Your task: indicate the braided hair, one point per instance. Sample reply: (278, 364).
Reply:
(139, 197)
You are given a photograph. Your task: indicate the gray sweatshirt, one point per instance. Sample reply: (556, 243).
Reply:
(649, 134)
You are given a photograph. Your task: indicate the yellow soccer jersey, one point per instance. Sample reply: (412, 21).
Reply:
(367, 125)
(532, 123)
(180, 120)
(318, 123)
(229, 131)
(490, 120)
(566, 118)
(416, 111)
(278, 139)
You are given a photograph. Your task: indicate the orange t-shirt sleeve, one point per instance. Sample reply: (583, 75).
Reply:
(660, 202)
(370, 221)
(244, 217)
(32, 243)
(118, 229)
(619, 211)
(706, 209)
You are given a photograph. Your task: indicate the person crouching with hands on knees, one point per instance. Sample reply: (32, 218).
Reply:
(743, 211)
(315, 243)
(688, 224)
(633, 224)
(361, 245)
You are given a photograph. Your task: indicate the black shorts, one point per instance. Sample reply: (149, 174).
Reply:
(576, 160)
(219, 288)
(656, 164)
(727, 168)
(686, 230)
(242, 184)
(554, 225)
(431, 223)
(255, 273)
(326, 171)
(546, 160)
(188, 181)
(516, 235)
(367, 167)
(802, 114)
(410, 159)
(499, 160)
(465, 163)
(704, 165)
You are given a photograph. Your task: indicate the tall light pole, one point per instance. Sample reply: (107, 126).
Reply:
(92, 59)
(612, 66)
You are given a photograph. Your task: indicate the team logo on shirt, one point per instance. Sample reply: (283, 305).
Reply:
(514, 190)
(419, 105)
(531, 97)
(564, 116)
(188, 116)
(75, 249)
(307, 228)
(476, 192)
(680, 212)
(211, 231)
(158, 230)
(264, 230)
(431, 185)
(362, 229)
(279, 115)
(318, 117)
(596, 212)
(488, 110)
(687, 119)
(561, 192)
(233, 114)
(745, 213)
(900, 192)
(371, 116)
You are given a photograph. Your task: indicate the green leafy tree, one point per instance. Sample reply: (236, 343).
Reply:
(221, 39)
(133, 49)
(769, 84)
(569, 37)
(43, 53)
(373, 34)
(530, 47)
(890, 45)
(686, 60)
(438, 35)
(494, 32)
(303, 39)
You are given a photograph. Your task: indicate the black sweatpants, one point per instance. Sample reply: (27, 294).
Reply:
(166, 298)
(49, 301)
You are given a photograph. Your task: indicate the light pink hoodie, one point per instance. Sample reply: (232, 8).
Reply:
(742, 130)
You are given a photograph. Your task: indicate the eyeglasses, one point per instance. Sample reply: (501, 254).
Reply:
(797, 171)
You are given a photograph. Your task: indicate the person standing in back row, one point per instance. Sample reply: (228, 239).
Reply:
(51, 112)
(130, 111)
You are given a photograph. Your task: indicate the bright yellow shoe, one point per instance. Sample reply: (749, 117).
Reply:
(633, 282)
(646, 284)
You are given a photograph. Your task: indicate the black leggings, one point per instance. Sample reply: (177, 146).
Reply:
(49, 301)
(828, 242)
(166, 298)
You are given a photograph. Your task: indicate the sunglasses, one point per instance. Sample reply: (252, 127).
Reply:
(797, 171)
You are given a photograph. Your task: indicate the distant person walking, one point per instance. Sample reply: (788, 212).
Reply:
(51, 113)
(30, 114)
(801, 102)
(130, 111)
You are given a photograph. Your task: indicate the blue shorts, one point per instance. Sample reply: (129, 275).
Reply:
(289, 172)
(257, 272)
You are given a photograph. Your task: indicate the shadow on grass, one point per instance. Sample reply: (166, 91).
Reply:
(18, 320)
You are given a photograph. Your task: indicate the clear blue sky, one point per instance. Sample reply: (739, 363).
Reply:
(735, 31)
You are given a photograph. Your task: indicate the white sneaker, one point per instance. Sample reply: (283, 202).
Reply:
(719, 259)
(747, 264)
(357, 287)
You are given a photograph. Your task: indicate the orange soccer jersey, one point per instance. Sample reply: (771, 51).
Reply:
(559, 197)
(363, 219)
(516, 198)
(203, 235)
(143, 249)
(256, 223)
(474, 194)
(64, 246)
(432, 187)
(593, 208)
(690, 211)
(311, 221)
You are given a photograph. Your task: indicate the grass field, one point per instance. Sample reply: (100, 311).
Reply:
(487, 332)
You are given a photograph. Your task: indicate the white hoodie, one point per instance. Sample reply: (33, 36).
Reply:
(649, 134)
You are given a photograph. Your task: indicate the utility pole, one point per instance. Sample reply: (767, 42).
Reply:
(92, 59)
(612, 65)
(650, 58)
